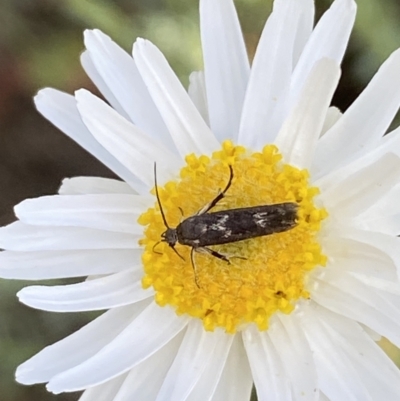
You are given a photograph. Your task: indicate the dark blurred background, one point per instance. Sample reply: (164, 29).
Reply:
(40, 43)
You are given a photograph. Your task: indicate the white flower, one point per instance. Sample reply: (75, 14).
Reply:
(299, 330)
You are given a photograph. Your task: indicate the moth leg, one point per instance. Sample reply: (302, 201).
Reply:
(157, 243)
(196, 280)
(238, 257)
(173, 248)
(218, 255)
(211, 252)
(207, 251)
(220, 195)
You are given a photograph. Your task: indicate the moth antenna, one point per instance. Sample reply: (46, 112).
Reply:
(158, 197)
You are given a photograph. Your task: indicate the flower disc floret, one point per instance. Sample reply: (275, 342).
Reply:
(265, 274)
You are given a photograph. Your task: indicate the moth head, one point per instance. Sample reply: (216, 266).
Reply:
(170, 236)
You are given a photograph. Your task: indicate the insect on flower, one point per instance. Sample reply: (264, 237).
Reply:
(205, 229)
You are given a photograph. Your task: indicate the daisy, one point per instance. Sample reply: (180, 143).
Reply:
(296, 312)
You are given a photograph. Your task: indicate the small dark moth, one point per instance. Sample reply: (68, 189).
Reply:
(205, 229)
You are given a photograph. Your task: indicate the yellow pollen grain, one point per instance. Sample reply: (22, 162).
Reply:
(266, 274)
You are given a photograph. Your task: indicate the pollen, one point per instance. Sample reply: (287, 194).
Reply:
(265, 274)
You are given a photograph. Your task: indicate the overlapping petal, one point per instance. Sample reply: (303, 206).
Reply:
(78, 347)
(365, 122)
(198, 94)
(226, 66)
(298, 137)
(21, 237)
(106, 391)
(370, 374)
(328, 40)
(189, 131)
(236, 380)
(52, 264)
(304, 28)
(266, 366)
(122, 85)
(199, 353)
(60, 109)
(153, 370)
(102, 293)
(359, 191)
(137, 151)
(111, 212)
(270, 74)
(93, 185)
(134, 344)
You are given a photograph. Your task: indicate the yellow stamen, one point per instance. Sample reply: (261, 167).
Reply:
(272, 276)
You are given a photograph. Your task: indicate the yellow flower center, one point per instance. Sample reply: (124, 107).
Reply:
(265, 274)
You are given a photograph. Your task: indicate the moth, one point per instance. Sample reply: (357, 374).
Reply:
(205, 228)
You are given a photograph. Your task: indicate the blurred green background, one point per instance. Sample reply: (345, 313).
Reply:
(40, 43)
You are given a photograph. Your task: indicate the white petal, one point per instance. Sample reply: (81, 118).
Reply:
(337, 377)
(387, 287)
(269, 376)
(194, 357)
(198, 94)
(298, 137)
(387, 244)
(290, 342)
(388, 205)
(144, 380)
(209, 380)
(136, 151)
(270, 74)
(20, 237)
(365, 121)
(97, 79)
(305, 27)
(63, 264)
(369, 373)
(373, 334)
(386, 225)
(236, 381)
(226, 65)
(112, 291)
(110, 212)
(359, 191)
(383, 215)
(93, 185)
(118, 70)
(344, 294)
(369, 269)
(60, 109)
(186, 126)
(388, 144)
(141, 339)
(358, 257)
(332, 117)
(328, 40)
(390, 138)
(104, 392)
(77, 347)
